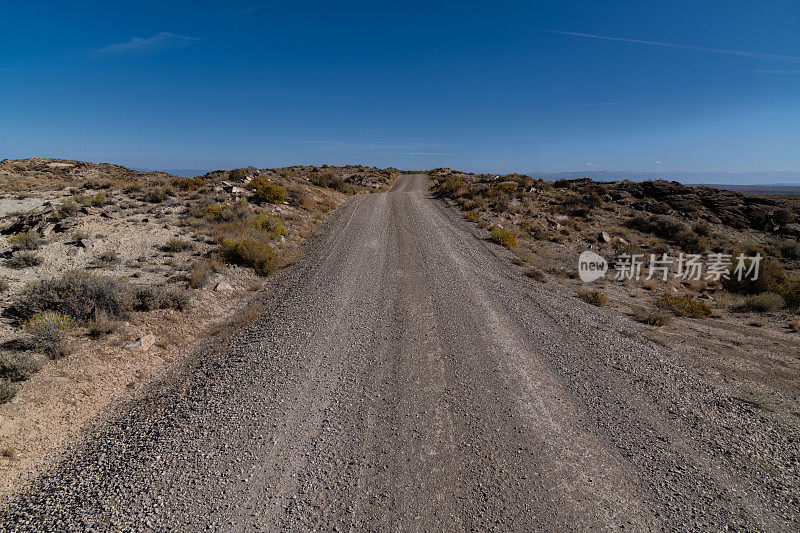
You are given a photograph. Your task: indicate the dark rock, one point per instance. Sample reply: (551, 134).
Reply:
(660, 208)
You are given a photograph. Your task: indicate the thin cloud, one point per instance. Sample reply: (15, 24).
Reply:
(245, 11)
(726, 51)
(160, 41)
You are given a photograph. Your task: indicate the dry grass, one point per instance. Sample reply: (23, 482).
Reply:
(762, 303)
(535, 274)
(596, 298)
(651, 317)
(685, 307)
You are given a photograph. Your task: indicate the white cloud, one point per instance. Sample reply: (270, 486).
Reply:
(742, 53)
(589, 164)
(659, 162)
(159, 41)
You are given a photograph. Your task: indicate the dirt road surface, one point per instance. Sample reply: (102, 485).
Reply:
(406, 377)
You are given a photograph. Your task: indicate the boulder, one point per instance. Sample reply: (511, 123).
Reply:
(791, 229)
(143, 343)
(47, 230)
(223, 286)
(604, 237)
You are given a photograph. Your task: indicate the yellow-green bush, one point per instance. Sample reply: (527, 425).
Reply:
(504, 237)
(266, 191)
(48, 332)
(24, 240)
(506, 186)
(94, 200)
(247, 252)
(191, 184)
(685, 307)
(268, 223)
(473, 216)
(218, 212)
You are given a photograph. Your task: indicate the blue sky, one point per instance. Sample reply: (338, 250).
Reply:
(500, 86)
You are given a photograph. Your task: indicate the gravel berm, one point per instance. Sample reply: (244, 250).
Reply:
(407, 377)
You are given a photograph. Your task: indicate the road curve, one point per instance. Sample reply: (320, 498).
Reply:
(407, 378)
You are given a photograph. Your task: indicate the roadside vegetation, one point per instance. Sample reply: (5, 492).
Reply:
(547, 224)
(93, 250)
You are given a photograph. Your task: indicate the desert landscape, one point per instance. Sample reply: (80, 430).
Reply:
(379, 267)
(145, 313)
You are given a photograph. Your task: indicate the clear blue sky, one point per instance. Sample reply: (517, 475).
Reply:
(548, 86)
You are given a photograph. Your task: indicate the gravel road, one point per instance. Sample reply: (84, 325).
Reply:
(407, 377)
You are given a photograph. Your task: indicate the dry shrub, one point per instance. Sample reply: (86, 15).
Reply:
(100, 324)
(24, 259)
(237, 174)
(245, 252)
(94, 200)
(7, 390)
(48, 332)
(794, 325)
(771, 278)
(651, 317)
(305, 202)
(157, 195)
(762, 303)
(150, 297)
(790, 292)
(685, 307)
(473, 216)
(24, 240)
(80, 295)
(191, 184)
(177, 245)
(107, 258)
(790, 250)
(18, 366)
(200, 272)
(69, 207)
(535, 274)
(593, 297)
(724, 299)
(218, 212)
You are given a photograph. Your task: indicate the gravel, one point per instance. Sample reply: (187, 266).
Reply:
(406, 377)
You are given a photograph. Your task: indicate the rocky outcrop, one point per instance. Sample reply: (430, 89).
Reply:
(715, 205)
